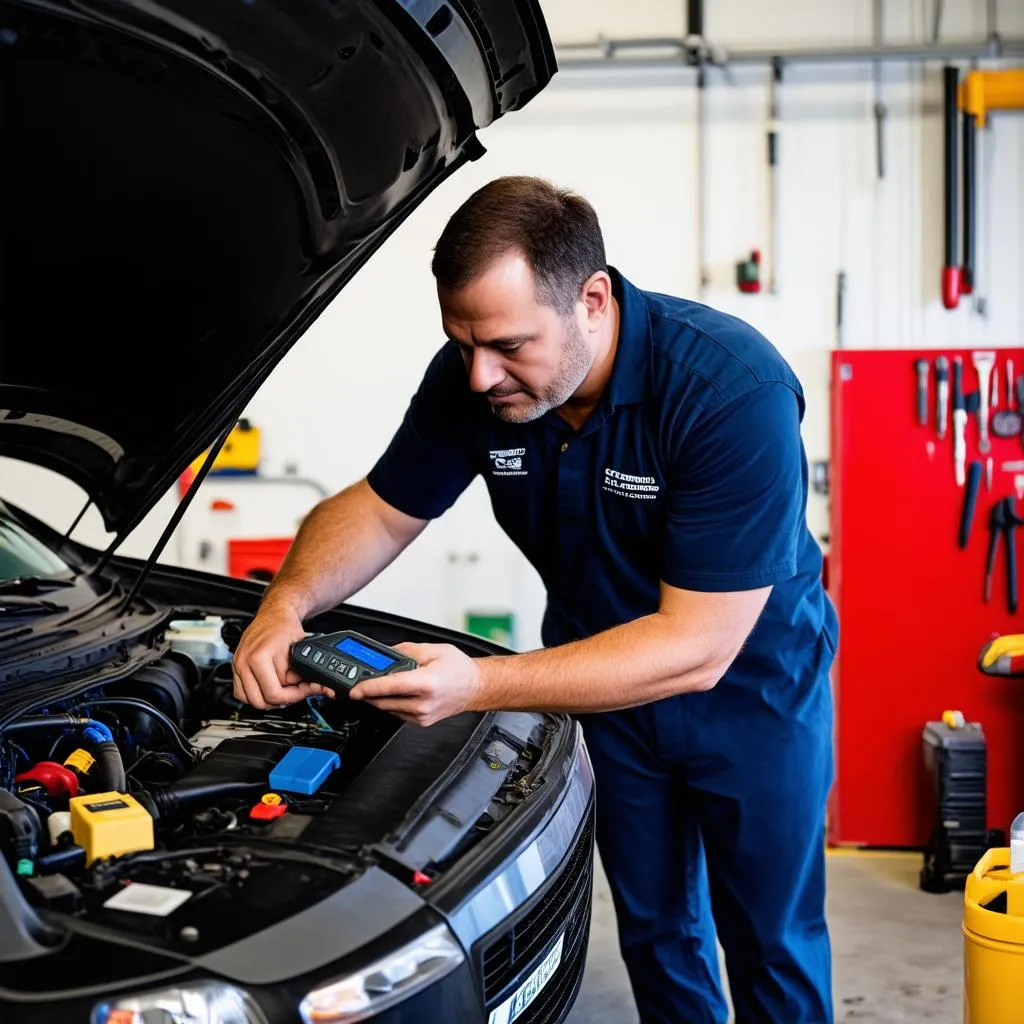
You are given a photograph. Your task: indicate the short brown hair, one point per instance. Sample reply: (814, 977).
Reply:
(556, 230)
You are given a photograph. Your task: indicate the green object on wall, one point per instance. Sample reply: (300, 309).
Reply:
(496, 625)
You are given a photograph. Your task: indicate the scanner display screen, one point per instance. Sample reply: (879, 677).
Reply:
(367, 655)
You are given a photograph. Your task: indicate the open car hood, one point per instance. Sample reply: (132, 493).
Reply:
(189, 185)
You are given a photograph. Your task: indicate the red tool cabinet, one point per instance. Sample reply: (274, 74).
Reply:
(912, 618)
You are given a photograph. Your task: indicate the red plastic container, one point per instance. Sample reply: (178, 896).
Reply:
(256, 558)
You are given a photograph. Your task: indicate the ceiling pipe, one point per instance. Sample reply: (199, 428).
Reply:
(684, 53)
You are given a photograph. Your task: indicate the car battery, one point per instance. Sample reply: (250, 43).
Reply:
(955, 762)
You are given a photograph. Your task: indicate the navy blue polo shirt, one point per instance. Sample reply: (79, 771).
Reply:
(691, 470)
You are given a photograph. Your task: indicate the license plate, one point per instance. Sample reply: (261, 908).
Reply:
(530, 989)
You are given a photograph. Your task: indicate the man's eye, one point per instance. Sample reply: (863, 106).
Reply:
(509, 349)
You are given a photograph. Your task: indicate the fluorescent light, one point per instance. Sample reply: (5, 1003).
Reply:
(388, 981)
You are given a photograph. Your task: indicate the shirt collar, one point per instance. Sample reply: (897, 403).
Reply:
(628, 382)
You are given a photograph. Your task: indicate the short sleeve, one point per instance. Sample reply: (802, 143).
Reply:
(736, 493)
(429, 461)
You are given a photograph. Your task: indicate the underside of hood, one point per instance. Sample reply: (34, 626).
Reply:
(189, 184)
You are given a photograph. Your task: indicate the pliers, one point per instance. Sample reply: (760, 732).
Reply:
(1003, 519)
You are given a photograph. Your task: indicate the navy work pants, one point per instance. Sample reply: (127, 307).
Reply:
(711, 818)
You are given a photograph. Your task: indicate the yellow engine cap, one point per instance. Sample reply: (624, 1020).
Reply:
(271, 799)
(80, 759)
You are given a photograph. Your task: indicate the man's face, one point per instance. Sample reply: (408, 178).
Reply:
(522, 354)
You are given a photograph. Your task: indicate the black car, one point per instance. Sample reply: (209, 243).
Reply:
(187, 185)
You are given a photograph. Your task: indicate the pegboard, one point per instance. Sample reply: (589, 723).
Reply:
(910, 600)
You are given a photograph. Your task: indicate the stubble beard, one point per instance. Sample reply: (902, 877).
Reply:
(573, 368)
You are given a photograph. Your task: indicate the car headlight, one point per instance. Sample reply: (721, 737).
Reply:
(382, 984)
(201, 1002)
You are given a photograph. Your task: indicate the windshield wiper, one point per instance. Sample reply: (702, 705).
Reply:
(33, 584)
(15, 605)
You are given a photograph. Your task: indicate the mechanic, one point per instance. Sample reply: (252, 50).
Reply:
(644, 452)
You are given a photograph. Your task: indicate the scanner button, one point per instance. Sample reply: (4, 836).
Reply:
(318, 656)
(305, 650)
(353, 672)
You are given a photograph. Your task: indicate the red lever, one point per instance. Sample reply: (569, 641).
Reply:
(950, 287)
(54, 778)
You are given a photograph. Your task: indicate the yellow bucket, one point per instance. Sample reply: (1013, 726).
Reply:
(993, 930)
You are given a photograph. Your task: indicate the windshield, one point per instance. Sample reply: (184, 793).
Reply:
(22, 555)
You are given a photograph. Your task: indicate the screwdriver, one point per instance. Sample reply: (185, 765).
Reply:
(941, 394)
(922, 392)
(960, 420)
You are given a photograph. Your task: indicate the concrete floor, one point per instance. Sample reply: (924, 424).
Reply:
(897, 951)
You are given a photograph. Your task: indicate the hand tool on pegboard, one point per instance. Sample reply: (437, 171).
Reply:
(1020, 400)
(922, 391)
(983, 363)
(969, 503)
(959, 422)
(941, 395)
(1002, 522)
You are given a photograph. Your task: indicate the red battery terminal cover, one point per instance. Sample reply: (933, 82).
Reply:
(54, 778)
(267, 812)
(271, 806)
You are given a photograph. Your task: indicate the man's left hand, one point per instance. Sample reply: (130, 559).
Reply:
(444, 683)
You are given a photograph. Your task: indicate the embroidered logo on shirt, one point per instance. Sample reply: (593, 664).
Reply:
(507, 462)
(626, 485)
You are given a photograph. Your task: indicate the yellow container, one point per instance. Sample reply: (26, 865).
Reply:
(240, 454)
(993, 930)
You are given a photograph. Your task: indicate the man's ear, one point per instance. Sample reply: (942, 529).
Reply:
(596, 295)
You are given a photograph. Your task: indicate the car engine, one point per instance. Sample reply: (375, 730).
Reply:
(160, 808)
(163, 787)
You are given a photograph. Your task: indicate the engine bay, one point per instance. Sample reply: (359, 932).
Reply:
(161, 808)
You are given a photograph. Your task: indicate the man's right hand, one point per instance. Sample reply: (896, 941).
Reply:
(260, 664)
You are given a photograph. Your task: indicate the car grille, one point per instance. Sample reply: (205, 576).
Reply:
(564, 906)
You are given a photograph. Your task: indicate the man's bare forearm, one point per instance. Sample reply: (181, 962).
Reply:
(645, 660)
(344, 542)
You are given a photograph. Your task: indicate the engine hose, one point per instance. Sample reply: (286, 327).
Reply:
(95, 731)
(166, 801)
(110, 768)
(179, 739)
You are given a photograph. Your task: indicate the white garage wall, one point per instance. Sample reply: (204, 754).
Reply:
(626, 139)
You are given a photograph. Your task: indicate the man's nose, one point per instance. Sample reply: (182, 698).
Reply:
(484, 371)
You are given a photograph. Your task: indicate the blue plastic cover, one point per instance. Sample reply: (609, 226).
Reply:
(303, 770)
